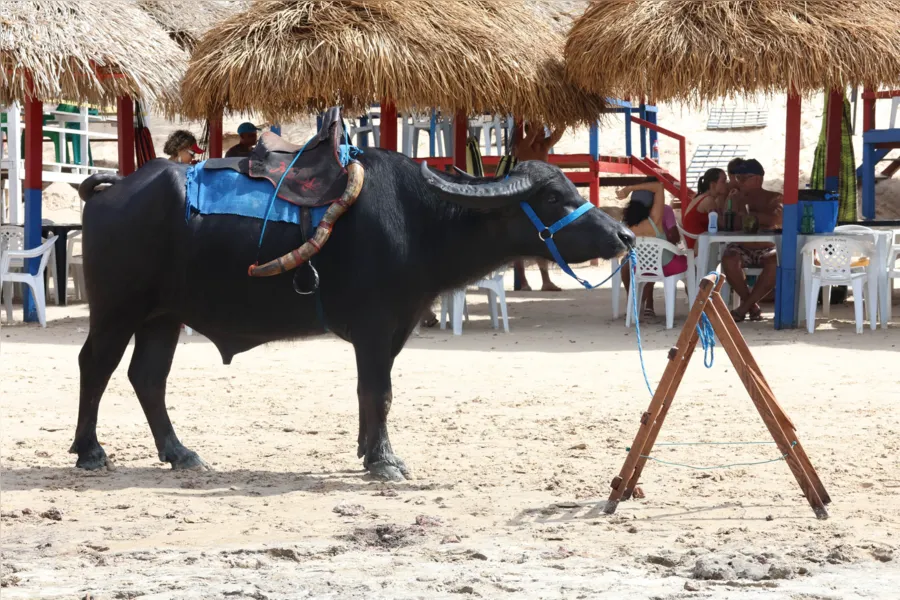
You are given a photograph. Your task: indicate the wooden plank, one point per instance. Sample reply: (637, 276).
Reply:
(667, 402)
(786, 423)
(759, 397)
(673, 372)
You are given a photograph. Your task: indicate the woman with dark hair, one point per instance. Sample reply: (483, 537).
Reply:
(645, 215)
(712, 188)
(182, 147)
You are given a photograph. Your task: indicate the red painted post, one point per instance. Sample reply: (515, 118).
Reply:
(32, 195)
(682, 165)
(125, 118)
(868, 110)
(460, 137)
(388, 126)
(833, 139)
(215, 136)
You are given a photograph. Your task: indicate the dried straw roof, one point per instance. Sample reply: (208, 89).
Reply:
(89, 51)
(187, 20)
(286, 57)
(690, 50)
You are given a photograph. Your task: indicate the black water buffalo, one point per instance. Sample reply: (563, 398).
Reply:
(411, 235)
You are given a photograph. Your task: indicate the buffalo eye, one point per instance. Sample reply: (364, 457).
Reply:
(552, 200)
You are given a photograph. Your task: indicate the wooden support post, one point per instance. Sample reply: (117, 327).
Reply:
(125, 125)
(32, 194)
(388, 126)
(710, 302)
(215, 136)
(460, 137)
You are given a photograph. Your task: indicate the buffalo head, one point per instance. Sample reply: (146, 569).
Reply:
(552, 196)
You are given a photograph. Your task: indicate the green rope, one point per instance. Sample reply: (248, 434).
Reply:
(729, 466)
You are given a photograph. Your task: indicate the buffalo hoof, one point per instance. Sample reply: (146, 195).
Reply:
(390, 468)
(91, 459)
(186, 460)
(361, 449)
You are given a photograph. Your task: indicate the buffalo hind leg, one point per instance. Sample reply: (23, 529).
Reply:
(99, 357)
(373, 364)
(154, 348)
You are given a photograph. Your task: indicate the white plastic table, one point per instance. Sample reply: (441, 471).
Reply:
(707, 240)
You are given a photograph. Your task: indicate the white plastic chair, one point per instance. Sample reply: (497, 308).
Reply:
(893, 269)
(12, 237)
(453, 303)
(75, 265)
(419, 123)
(691, 257)
(827, 262)
(356, 128)
(649, 252)
(35, 282)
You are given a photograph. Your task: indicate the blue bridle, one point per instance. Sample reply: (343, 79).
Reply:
(546, 234)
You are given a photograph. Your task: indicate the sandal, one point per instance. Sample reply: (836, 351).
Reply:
(649, 313)
(756, 315)
(738, 317)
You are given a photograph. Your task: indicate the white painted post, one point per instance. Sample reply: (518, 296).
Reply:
(83, 139)
(14, 141)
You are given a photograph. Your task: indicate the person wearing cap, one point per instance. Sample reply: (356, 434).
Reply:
(182, 147)
(247, 131)
(648, 215)
(766, 206)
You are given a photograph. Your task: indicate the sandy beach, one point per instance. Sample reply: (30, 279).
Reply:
(512, 440)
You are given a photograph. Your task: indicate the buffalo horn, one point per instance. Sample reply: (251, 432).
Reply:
(295, 258)
(481, 193)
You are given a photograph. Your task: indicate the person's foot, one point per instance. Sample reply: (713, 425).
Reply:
(755, 313)
(430, 319)
(738, 316)
(649, 313)
(549, 286)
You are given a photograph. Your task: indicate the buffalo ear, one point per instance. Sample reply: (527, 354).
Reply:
(478, 192)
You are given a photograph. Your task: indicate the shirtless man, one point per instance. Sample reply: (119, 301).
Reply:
(766, 206)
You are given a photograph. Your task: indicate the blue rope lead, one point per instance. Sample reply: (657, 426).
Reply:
(707, 340)
(632, 257)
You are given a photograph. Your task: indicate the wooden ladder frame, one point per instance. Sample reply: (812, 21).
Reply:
(709, 301)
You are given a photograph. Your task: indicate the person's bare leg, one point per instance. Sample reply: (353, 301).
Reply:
(546, 284)
(519, 267)
(733, 267)
(765, 283)
(647, 299)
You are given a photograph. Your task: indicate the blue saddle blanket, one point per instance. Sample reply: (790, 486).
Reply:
(227, 192)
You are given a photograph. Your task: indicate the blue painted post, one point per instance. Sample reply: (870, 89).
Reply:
(642, 113)
(34, 140)
(628, 129)
(652, 116)
(432, 134)
(363, 140)
(868, 178)
(276, 129)
(595, 141)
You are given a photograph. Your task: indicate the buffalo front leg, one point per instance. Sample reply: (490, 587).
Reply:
(154, 348)
(373, 363)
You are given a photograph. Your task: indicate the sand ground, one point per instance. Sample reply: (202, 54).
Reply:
(512, 440)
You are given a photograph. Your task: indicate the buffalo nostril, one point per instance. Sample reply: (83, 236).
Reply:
(626, 237)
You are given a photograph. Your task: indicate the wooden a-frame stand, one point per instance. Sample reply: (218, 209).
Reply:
(710, 301)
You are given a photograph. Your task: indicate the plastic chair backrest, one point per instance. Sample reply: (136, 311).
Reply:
(853, 229)
(649, 252)
(12, 237)
(836, 255)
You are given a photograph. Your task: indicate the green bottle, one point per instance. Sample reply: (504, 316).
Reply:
(808, 221)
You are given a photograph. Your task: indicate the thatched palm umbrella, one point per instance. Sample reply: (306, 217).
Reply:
(694, 51)
(90, 51)
(286, 57)
(689, 50)
(187, 21)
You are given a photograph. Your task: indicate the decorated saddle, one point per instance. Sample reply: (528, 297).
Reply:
(284, 182)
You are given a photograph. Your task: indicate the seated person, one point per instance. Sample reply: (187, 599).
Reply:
(766, 206)
(712, 189)
(645, 215)
(181, 147)
(248, 133)
(733, 165)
